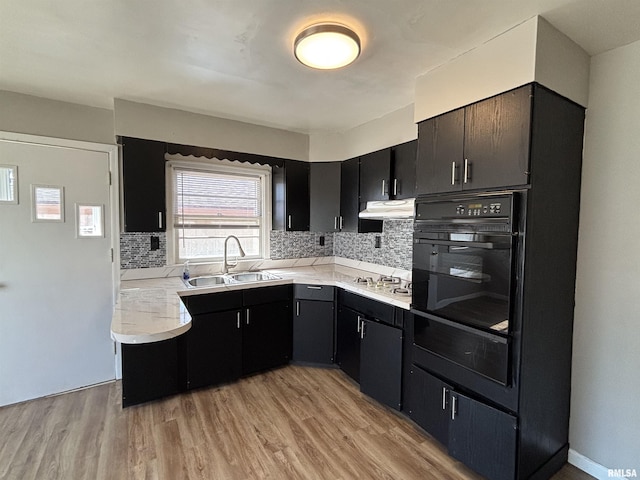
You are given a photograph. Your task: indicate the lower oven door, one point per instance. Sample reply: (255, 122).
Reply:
(481, 352)
(465, 278)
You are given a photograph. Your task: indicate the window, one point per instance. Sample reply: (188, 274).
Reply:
(211, 202)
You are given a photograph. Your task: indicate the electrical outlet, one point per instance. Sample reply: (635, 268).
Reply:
(321, 240)
(378, 241)
(155, 243)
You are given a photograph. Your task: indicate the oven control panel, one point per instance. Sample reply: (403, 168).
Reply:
(479, 209)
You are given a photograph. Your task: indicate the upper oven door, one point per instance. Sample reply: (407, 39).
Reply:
(464, 277)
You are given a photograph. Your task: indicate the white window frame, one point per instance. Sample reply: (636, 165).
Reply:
(223, 167)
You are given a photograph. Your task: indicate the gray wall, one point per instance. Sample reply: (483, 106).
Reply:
(605, 406)
(50, 118)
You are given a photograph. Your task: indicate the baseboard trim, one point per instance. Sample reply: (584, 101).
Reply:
(587, 465)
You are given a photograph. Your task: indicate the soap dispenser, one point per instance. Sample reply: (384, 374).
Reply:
(185, 271)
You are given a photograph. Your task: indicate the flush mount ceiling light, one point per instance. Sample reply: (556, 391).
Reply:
(326, 46)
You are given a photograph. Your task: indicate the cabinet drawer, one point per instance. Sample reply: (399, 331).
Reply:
(213, 302)
(258, 296)
(369, 308)
(313, 292)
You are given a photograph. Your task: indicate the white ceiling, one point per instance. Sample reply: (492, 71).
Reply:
(233, 58)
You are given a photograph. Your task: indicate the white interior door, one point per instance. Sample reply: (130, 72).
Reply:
(55, 286)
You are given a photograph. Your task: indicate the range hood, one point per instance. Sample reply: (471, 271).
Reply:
(389, 209)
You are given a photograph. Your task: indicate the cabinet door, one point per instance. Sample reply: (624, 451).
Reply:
(149, 371)
(349, 195)
(375, 175)
(381, 363)
(313, 332)
(403, 183)
(496, 145)
(213, 348)
(440, 153)
(483, 438)
(348, 342)
(297, 203)
(143, 185)
(427, 403)
(324, 190)
(266, 336)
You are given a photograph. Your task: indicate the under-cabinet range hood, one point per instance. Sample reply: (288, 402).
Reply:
(389, 209)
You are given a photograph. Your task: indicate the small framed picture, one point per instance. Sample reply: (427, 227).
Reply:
(9, 184)
(47, 203)
(89, 220)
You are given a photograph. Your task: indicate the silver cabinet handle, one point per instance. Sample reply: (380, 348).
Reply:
(453, 407)
(362, 330)
(466, 170)
(159, 219)
(341, 222)
(444, 398)
(289, 221)
(383, 189)
(238, 319)
(247, 316)
(453, 173)
(335, 223)
(297, 309)
(395, 186)
(359, 320)
(312, 287)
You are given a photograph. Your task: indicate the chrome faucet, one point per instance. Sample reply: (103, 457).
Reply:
(226, 265)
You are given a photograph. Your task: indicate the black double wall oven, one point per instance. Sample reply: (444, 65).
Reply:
(465, 267)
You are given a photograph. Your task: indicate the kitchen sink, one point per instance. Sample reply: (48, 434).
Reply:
(209, 281)
(253, 276)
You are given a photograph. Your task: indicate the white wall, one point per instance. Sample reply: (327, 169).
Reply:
(178, 126)
(531, 51)
(605, 405)
(51, 118)
(391, 129)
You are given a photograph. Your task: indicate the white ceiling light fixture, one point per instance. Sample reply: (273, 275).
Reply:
(326, 46)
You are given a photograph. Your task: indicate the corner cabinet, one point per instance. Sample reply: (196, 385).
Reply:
(291, 196)
(350, 200)
(143, 185)
(482, 146)
(313, 324)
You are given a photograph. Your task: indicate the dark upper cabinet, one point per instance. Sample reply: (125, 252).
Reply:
(375, 175)
(143, 185)
(324, 196)
(350, 200)
(482, 146)
(440, 151)
(403, 161)
(291, 196)
(349, 195)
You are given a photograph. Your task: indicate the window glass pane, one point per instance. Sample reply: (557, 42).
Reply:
(209, 206)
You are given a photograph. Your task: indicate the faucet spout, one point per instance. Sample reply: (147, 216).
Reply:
(226, 265)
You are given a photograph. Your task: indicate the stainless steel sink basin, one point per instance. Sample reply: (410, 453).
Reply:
(253, 276)
(209, 281)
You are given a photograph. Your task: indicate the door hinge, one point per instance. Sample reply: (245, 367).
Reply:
(115, 348)
(110, 181)
(112, 255)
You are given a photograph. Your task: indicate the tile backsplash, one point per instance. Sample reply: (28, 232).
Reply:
(395, 249)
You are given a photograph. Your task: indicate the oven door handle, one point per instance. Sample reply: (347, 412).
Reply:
(459, 243)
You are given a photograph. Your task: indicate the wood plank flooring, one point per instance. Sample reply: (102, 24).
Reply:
(291, 423)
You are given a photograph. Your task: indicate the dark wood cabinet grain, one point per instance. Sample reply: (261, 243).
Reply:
(266, 336)
(403, 161)
(143, 185)
(348, 342)
(290, 196)
(375, 175)
(324, 196)
(428, 403)
(313, 331)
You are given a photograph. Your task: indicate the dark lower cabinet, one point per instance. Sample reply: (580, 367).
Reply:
(348, 342)
(213, 349)
(481, 436)
(313, 332)
(381, 363)
(266, 336)
(427, 403)
(149, 371)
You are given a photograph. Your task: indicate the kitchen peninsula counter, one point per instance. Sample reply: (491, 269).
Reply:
(151, 310)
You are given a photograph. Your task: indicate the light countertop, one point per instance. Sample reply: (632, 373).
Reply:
(151, 310)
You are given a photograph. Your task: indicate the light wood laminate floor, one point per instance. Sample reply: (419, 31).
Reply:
(291, 423)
